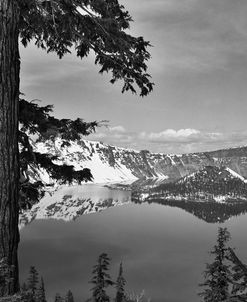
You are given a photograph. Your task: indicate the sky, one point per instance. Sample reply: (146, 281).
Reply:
(198, 65)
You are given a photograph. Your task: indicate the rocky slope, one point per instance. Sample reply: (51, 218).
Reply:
(154, 177)
(213, 194)
(109, 163)
(211, 183)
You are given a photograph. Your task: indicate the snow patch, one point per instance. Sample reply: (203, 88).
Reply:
(235, 174)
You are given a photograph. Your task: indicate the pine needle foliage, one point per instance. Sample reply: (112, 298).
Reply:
(89, 25)
(33, 280)
(69, 297)
(120, 285)
(38, 122)
(218, 273)
(101, 279)
(60, 26)
(226, 276)
(40, 293)
(58, 298)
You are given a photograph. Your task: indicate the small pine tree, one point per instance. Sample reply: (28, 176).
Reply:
(33, 280)
(40, 294)
(101, 279)
(58, 298)
(120, 284)
(24, 287)
(69, 297)
(218, 274)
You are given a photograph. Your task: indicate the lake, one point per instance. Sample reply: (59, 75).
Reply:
(163, 248)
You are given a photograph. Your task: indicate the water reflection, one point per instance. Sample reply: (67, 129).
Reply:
(69, 203)
(163, 247)
(211, 212)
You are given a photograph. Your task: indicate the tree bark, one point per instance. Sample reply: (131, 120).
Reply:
(9, 170)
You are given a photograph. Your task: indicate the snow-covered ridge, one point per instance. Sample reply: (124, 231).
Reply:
(236, 175)
(113, 164)
(85, 154)
(219, 184)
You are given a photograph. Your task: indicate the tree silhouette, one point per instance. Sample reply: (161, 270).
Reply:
(120, 284)
(33, 280)
(38, 121)
(69, 297)
(58, 298)
(56, 26)
(101, 279)
(40, 293)
(217, 273)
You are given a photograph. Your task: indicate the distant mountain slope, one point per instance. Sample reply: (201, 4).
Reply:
(211, 183)
(213, 194)
(109, 163)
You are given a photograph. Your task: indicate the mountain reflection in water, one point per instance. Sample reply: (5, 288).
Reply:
(69, 203)
(162, 246)
(203, 208)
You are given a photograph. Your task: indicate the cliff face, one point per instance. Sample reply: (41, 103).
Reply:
(235, 159)
(109, 163)
(217, 178)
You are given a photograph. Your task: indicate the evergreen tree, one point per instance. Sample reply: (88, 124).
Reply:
(33, 280)
(37, 120)
(40, 294)
(26, 294)
(218, 274)
(120, 284)
(239, 280)
(101, 279)
(69, 297)
(56, 26)
(24, 287)
(58, 298)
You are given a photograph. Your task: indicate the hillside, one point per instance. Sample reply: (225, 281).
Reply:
(211, 183)
(176, 180)
(113, 164)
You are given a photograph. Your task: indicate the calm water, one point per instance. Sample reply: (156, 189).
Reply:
(163, 249)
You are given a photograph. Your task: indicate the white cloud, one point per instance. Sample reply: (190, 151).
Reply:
(171, 140)
(119, 128)
(170, 134)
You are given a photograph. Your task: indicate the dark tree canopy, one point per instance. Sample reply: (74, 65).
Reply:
(33, 280)
(98, 25)
(58, 26)
(218, 272)
(55, 26)
(37, 121)
(101, 279)
(226, 276)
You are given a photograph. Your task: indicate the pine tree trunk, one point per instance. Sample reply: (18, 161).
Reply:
(9, 170)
